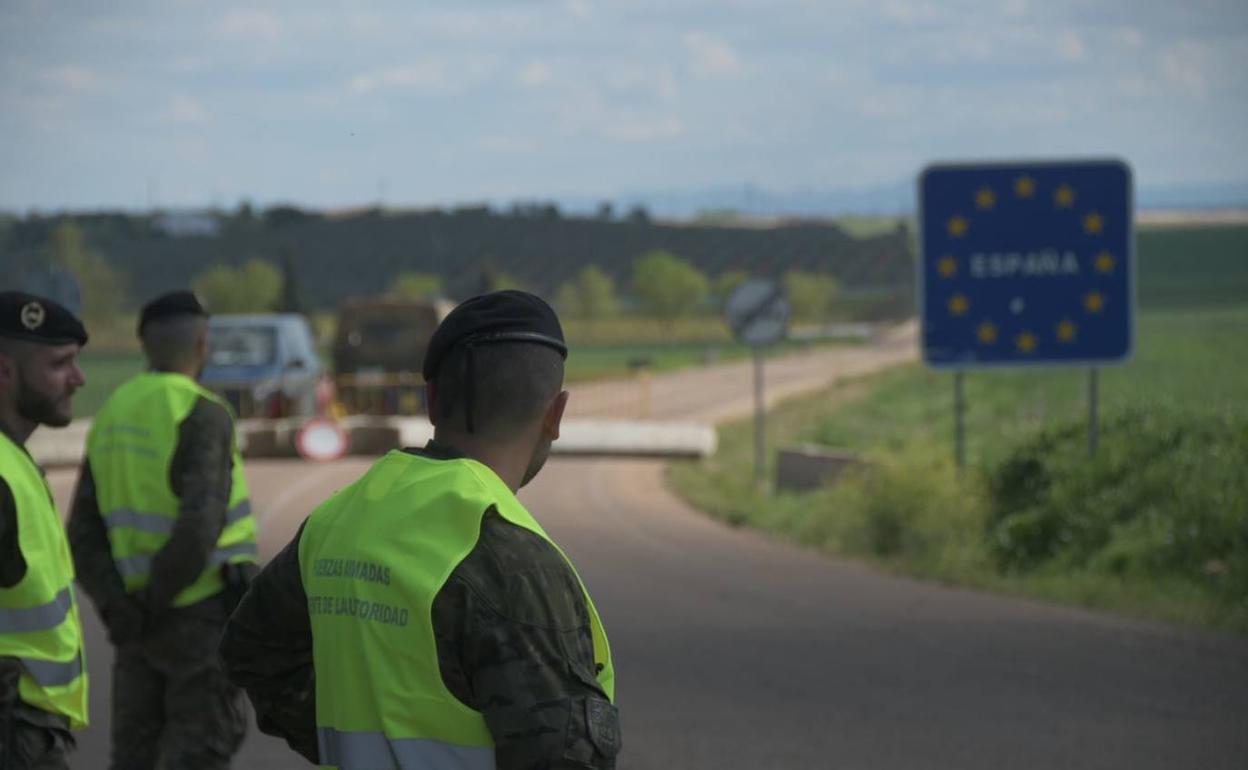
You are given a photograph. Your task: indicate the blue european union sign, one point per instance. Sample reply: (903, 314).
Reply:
(1026, 263)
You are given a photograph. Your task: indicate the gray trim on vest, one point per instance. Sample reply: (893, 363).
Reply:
(374, 751)
(53, 673)
(45, 617)
(161, 524)
(133, 566)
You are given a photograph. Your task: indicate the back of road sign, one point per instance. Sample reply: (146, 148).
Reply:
(758, 312)
(1026, 263)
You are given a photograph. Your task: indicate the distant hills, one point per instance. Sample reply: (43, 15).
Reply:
(897, 199)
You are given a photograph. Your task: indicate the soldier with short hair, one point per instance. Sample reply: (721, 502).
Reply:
(421, 617)
(164, 540)
(43, 679)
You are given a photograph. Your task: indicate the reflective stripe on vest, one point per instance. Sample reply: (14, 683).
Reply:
(131, 445)
(159, 523)
(135, 566)
(53, 673)
(42, 618)
(374, 751)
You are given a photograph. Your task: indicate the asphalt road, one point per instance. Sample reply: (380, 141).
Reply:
(737, 653)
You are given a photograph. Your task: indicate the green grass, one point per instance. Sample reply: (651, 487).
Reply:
(104, 372)
(1188, 267)
(1180, 402)
(1198, 357)
(598, 351)
(591, 362)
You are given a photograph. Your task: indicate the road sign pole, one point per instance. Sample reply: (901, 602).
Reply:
(959, 428)
(1093, 419)
(760, 423)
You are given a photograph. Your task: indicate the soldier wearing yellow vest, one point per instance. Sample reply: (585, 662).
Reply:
(422, 618)
(163, 536)
(43, 681)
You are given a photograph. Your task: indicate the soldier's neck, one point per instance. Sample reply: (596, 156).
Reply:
(14, 426)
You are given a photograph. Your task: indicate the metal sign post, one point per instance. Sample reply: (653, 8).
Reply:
(1026, 264)
(758, 313)
(760, 419)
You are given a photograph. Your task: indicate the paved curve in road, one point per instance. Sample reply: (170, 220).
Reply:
(738, 653)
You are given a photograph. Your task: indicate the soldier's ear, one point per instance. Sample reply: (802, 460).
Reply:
(8, 367)
(554, 415)
(431, 403)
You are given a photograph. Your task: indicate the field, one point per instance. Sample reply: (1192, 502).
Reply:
(610, 348)
(1155, 525)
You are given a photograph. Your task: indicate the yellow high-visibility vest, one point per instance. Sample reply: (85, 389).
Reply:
(373, 558)
(130, 449)
(39, 622)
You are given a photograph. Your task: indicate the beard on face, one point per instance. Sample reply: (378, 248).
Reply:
(537, 460)
(42, 408)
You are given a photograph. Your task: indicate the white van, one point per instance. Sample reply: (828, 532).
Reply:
(265, 365)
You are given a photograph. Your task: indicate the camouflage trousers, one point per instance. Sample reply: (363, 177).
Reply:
(173, 708)
(31, 747)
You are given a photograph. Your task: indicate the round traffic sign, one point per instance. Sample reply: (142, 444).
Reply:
(758, 312)
(321, 440)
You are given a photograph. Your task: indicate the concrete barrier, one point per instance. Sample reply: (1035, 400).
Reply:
(377, 435)
(806, 466)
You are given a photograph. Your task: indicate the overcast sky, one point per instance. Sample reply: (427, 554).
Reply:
(122, 104)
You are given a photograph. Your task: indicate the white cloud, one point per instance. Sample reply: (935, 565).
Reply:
(72, 77)
(581, 9)
(1014, 9)
(1184, 66)
(1131, 37)
(644, 80)
(508, 145)
(711, 57)
(1030, 113)
(639, 130)
(251, 24)
(429, 75)
(432, 74)
(186, 111)
(908, 12)
(1070, 47)
(885, 105)
(535, 74)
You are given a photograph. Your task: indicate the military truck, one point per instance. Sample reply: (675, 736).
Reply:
(378, 350)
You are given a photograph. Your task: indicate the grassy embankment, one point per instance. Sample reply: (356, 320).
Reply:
(1156, 525)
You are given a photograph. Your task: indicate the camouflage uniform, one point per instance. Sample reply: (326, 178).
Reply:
(513, 637)
(172, 705)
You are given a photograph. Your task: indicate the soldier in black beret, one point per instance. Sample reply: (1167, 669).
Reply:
(163, 446)
(533, 664)
(39, 342)
(42, 680)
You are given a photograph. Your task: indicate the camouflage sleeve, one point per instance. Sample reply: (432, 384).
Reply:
(10, 676)
(514, 642)
(12, 563)
(267, 650)
(200, 477)
(93, 562)
(12, 570)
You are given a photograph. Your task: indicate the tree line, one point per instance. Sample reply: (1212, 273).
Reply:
(663, 286)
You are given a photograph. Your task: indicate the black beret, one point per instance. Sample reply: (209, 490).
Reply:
(501, 316)
(175, 303)
(38, 319)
